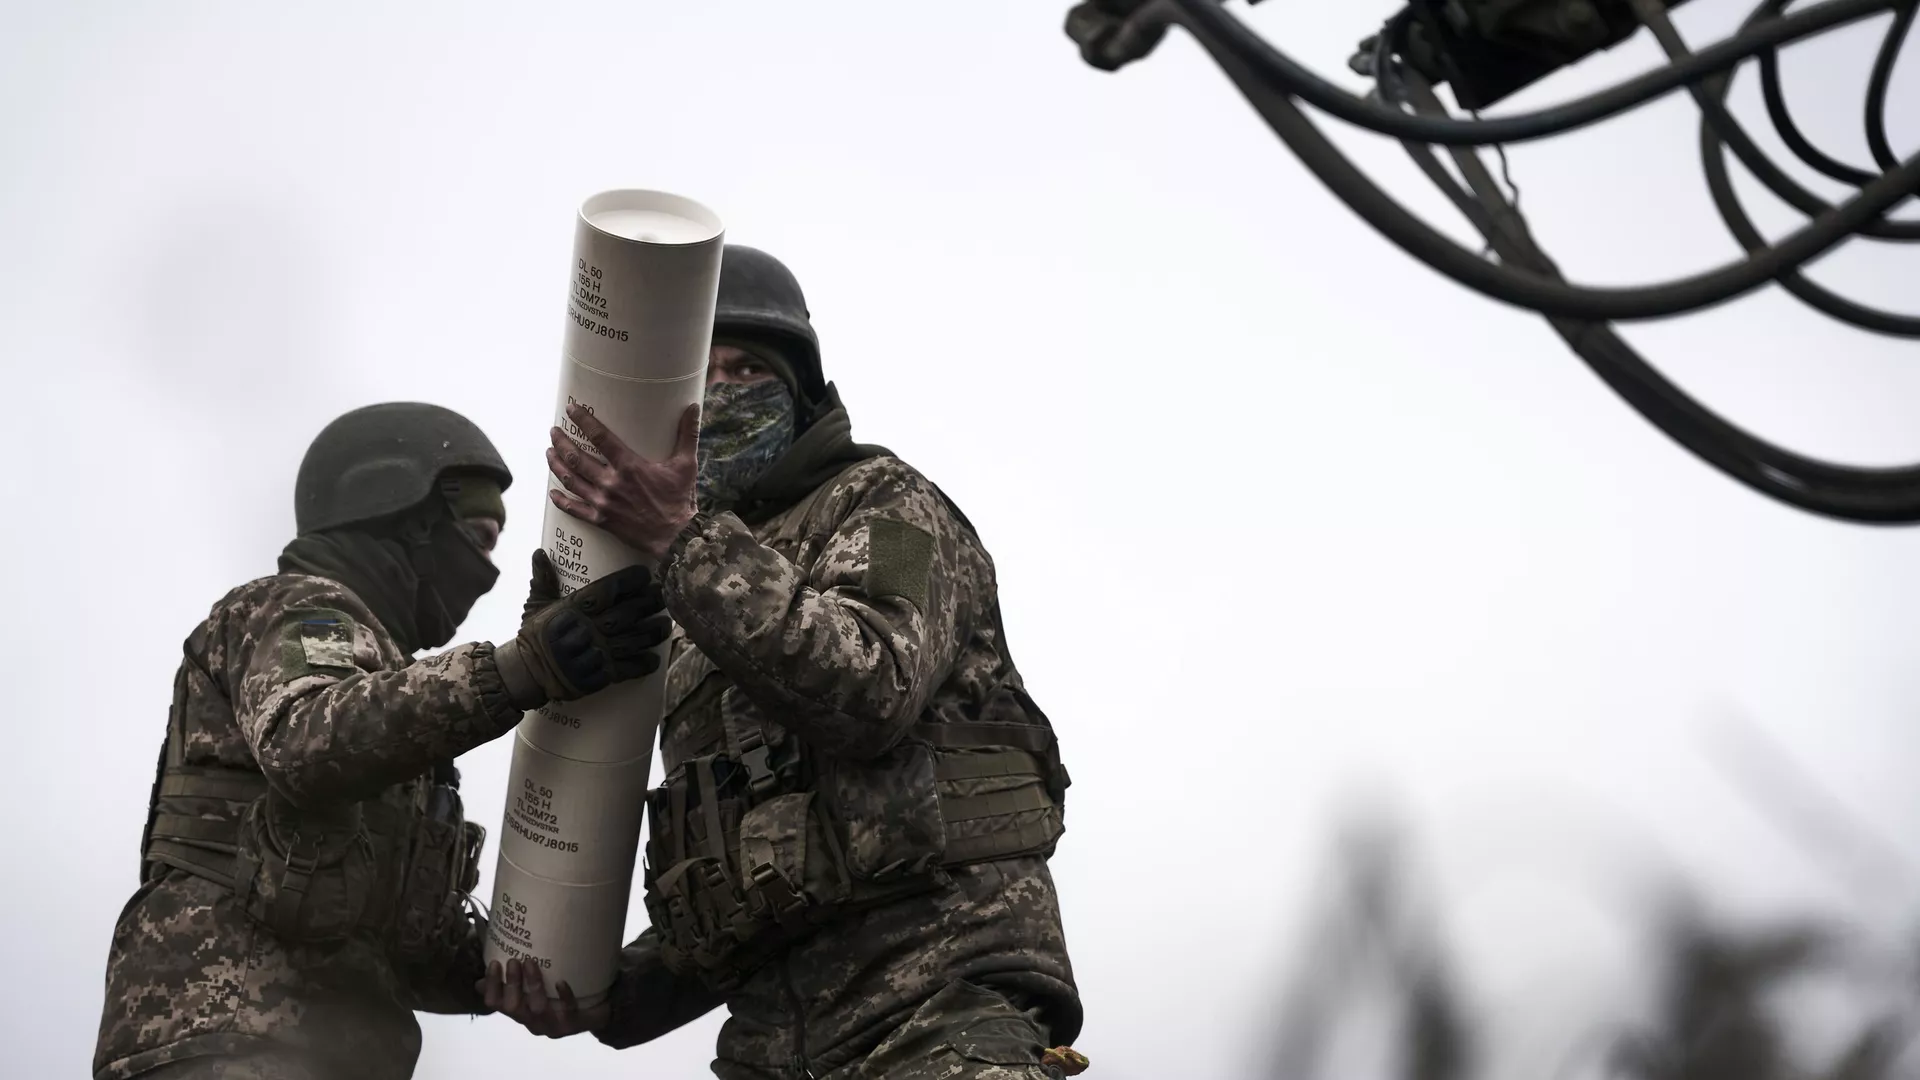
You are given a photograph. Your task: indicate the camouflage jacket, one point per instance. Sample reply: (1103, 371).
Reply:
(189, 973)
(838, 628)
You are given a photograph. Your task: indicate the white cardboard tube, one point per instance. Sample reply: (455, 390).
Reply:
(640, 300)
(610, 726)
(563, 928)
(575, 822)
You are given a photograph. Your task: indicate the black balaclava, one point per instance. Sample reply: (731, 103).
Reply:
(420, 571)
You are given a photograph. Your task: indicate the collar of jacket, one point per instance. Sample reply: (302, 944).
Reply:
(823, 451)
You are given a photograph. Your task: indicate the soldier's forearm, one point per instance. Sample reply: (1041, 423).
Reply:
(649, 1001)
(454, 990)
(351, 738)
(451, 994)
(845, 671)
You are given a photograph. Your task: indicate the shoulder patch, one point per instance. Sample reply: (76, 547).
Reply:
(899, 561)
(324, 636)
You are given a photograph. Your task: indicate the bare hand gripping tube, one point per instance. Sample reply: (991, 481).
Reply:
(640, 303)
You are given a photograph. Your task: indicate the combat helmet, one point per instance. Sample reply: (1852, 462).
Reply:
(760, 298)
(381, 459)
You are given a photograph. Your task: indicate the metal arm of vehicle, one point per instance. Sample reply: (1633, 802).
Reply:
(1484, 51)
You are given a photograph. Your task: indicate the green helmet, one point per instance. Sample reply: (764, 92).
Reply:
(381, 459)
(760, 298)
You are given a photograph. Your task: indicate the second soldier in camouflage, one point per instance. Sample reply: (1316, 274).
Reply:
(850, 847)
(306, 869)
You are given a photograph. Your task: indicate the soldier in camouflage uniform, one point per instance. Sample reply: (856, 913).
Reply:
(850, 847)
(305, 868)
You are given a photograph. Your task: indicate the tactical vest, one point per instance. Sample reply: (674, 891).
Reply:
(754, 840)
(398, 867)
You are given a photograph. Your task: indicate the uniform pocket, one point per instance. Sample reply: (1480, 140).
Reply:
(307, 875)
(963, 1031)
(442, 867)
(774, 854)
(773, 836)
(888, 812)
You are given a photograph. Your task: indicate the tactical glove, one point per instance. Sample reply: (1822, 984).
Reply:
(544, 589)
(600, 634)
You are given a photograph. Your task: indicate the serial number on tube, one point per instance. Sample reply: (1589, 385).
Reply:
(515, 953)
(593, 327)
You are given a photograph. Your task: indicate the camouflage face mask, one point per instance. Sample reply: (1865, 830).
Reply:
(743, 430)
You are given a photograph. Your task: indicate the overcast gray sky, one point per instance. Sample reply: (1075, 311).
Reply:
(1277, 511)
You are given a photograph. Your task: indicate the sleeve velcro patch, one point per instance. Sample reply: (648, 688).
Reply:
(899, 561)
(321, 638)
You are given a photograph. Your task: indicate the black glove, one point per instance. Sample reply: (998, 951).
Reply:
(602, 633)
(544, 589)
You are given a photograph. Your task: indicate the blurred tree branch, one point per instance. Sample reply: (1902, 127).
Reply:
(1714, 1017)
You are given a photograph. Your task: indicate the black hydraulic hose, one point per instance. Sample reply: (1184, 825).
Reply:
(1469, 207)
(1719, 129)
(1881, 496)
(1654, 15)
(1210, 21)
(1727, 201)
(1881, 79)
(1782, 117)
(1546, 295)
(1790, 133)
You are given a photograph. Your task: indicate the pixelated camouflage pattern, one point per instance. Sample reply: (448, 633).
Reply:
(781, 619)
(964, 1031)
(744, 429)
(188, 973)
(799, 636)
(273, 1064)
(837, 999)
